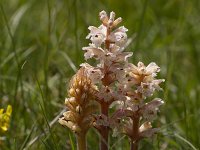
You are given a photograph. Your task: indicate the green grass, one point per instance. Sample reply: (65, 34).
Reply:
(40, 49)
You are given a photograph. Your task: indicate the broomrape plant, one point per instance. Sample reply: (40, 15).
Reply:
(112, 83)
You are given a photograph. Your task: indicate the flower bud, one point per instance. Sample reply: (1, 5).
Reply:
(117, 21)
(145, 126)
(72, 92)
(79, 109)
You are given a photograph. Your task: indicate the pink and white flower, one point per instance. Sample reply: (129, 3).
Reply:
(97, 35)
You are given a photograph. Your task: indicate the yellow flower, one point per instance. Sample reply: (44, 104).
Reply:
(5, 118)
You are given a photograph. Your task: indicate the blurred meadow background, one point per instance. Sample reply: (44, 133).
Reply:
(40, 50)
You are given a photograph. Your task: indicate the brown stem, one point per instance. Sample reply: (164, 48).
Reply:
(107, 42)
(81, 141)
(135, 134)
(104, 130)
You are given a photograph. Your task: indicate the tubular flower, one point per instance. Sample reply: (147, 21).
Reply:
(97, 35)
(5, 118)
(141, 80)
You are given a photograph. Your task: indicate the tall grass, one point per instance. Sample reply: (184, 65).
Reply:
(40, 48)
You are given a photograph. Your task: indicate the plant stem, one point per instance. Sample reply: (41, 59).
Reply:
(104, 131)
(105, 106)
(134, 140)
(81, 141)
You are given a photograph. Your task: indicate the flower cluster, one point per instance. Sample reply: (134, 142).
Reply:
(5, 118)
(80, 104)
(107, 47)
(113, 82)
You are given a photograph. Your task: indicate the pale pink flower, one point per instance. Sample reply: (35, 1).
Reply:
(97, 35)
(93, 73)
(126, 103)
(93, 51)
(112, 18)
(103, 17)
(149, 110)
(141, 69)
(119, 36)
(144, 78)
(105, 94)
(148, 88)
(148, 133)
(145, 126)
(102, 120)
